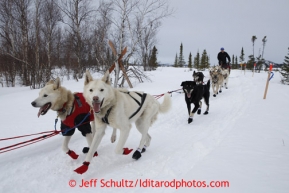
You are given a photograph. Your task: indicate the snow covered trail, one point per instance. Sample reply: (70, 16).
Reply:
(234, 142)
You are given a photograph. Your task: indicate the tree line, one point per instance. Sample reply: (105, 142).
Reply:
(202, 62)
(42, 39)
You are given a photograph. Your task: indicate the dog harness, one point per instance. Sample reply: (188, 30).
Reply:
(143, 97)
(81, 107)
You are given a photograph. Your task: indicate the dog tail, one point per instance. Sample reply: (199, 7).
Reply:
(208, 84)
(166, 104)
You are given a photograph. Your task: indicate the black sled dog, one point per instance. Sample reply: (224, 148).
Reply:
(198, 77)
(193, 94)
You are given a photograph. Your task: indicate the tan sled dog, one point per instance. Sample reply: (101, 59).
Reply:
(226, 74)
(217, 79)
(119, 108)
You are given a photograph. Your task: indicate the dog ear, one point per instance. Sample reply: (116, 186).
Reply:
(56, 83)
(49, 82)
(87, 77)
(106, 78)
(182, 83)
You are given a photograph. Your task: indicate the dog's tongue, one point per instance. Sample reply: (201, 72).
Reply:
(39, 112)
(42, 109)
(96, 107)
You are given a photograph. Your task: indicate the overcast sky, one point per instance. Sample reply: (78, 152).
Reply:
(212, 24)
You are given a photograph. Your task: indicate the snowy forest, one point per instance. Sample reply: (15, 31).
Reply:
(42, 39)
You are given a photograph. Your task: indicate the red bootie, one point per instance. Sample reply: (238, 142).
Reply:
(72, 154)
(82, 169)
(126, 151)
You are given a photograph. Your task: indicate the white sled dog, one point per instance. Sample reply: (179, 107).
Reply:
(217, 79)
(73, 111)
(119, 108)
(226, 74)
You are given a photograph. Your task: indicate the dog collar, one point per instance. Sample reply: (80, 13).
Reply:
(62, 110)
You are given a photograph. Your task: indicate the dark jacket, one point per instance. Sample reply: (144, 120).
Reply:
(222, 58)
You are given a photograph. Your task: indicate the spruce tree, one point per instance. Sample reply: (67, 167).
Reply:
(285, 70)
(181, 61)
(242, 56)
(208, 63)
(176, 61)
(197, 61)
(204, 62)
(153, 59)
(190, 64)
(236, 63)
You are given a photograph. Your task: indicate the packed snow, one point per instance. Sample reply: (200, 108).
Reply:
(243, 143)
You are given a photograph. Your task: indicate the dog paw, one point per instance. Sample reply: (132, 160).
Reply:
(143, 150)
(85, 149)
(190, 120)
(72, 154)
(136, 155)
(205, 113)
(82, 169)
(214, 95)
(220, 91)
(226, 87)
(126, 151)
(199, 111)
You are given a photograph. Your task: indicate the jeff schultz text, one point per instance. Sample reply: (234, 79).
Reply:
(149, 183)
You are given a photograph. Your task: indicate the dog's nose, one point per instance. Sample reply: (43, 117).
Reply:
(95, 98)
(33, 104)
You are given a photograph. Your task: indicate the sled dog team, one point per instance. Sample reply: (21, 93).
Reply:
(197, 89)
(101, 105)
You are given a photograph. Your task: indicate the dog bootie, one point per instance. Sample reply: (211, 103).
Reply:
(205, 113)
(72, 154)
(82, 169)
(136, 155)
(86, 149)
(199, 111)
(190, 120)
(126, 151)
(144, 149)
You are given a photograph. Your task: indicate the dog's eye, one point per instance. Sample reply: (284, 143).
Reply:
(90, 90)
(101, 90)
(45, 95)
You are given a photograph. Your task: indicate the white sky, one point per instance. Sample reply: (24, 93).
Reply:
(212, 24)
